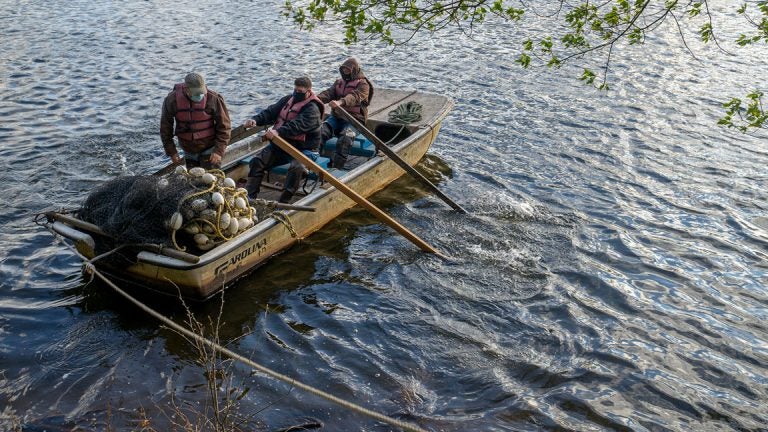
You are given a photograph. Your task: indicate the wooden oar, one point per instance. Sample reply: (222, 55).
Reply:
(241, 133)
(356, 197)
(398, 160)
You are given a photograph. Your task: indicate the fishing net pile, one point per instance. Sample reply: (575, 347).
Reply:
(187, 210)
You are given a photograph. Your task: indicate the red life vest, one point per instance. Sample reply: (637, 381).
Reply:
(290, 111)
(343, 88)
(192, 122)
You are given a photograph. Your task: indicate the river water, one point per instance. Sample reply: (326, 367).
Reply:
(611, 273)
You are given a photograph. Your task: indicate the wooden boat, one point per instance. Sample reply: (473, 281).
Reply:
(201, 276)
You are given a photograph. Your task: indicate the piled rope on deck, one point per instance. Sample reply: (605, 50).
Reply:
(91, 269)
(408, 112)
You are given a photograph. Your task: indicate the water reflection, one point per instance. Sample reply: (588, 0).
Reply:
(610, 274)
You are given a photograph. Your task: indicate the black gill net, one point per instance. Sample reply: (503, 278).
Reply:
(191, 211)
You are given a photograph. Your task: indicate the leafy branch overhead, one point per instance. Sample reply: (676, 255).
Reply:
(587, 29)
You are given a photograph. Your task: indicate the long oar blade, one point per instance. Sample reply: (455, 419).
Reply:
(356, 197)
(398, 160)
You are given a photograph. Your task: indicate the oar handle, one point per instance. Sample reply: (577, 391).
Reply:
(356, 197)
(397, 159)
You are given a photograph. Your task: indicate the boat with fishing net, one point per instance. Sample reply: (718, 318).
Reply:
(194, 232)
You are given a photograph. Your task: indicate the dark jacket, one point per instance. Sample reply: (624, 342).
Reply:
(215, 107)
(307, 122)
(360, 96)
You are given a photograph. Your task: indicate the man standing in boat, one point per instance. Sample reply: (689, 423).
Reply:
(297, 118)
(202, 123)
(352, 92)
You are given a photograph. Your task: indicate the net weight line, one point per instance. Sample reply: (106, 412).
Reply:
(91, 268)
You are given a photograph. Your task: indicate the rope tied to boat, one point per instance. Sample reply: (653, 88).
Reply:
(90, 269)
(275, 213)
(283, 219)
(408, 112)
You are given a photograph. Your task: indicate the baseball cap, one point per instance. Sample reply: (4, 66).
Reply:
(195, 83)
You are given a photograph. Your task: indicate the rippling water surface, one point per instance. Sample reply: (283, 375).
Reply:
(611, 273)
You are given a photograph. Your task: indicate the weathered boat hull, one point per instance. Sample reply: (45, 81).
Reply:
(222, 265)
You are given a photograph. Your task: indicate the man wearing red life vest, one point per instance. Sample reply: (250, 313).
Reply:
(352, 92)
(296, 118)
(202, 123)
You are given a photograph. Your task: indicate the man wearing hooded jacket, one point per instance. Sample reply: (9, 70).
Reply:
(296, 118)
(352, 92)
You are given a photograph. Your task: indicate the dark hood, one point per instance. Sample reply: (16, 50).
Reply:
(354, 66)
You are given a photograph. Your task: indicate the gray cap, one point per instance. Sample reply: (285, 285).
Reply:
(195, 83)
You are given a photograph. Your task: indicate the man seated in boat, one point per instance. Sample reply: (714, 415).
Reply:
(352, 92)
(297, 118)
(202, 123)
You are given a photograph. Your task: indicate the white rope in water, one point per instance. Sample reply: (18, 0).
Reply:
(235, 356)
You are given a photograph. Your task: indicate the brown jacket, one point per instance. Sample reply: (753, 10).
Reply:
(360, 96)
(215, 107)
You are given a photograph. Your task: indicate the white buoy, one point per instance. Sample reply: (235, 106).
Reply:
(192, 228)
(208, 178)
(228, 182)
(245, 223)
(181, 169)
(207, 246)
(201, 239)
(240, 203)
(208, 214)
(234, 226)
(197, 172)
(217, 199)
(199, 205)
(175, 221)
(224, 221)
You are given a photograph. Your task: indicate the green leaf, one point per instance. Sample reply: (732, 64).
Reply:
(695, 10)
(705, 32)
(528, 45)
(524, 60)
(588, 77)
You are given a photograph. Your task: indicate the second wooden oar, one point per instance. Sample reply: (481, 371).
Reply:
(356, 197)
(398, 160)
(238, 134)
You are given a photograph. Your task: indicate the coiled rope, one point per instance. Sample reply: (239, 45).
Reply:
(408, 112)
(91, 269)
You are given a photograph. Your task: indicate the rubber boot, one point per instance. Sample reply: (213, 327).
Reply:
(342, 150)
(285, 197)
(292, 181)
(252, 185)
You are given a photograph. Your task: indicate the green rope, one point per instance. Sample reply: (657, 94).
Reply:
(409, 112)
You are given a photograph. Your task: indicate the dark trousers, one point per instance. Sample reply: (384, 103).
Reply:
(333, 126)
(202, 159)
(270, 157)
